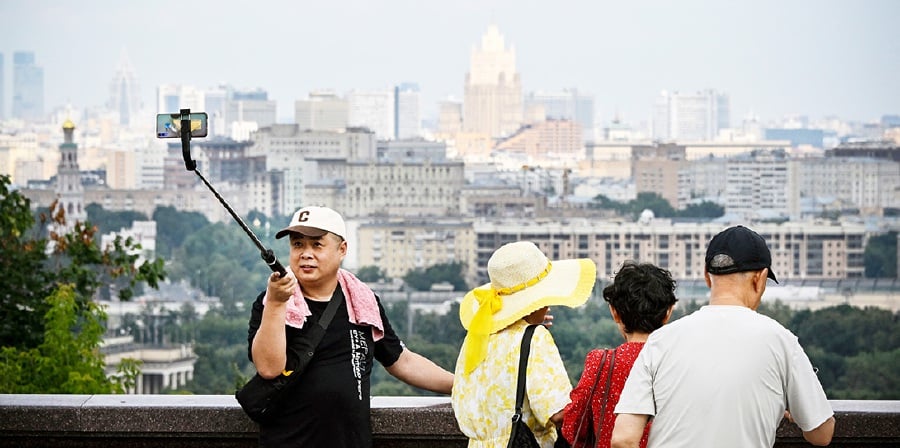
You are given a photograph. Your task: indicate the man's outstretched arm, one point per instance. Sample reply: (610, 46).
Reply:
(419, 371)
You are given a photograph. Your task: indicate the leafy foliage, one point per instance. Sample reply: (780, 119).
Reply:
(880, 256)
(108, 222)
(422, 279)
(660, 207)
(173, 226)
(52, 272)
(67, 360)
(371, 274)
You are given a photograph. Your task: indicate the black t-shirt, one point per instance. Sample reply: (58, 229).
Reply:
(330, 404)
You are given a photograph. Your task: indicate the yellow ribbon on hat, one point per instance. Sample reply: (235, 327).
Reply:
(489, 303)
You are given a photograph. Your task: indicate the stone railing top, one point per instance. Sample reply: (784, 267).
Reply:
(393, 418)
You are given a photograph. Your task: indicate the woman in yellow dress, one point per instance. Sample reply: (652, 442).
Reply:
(524, 283)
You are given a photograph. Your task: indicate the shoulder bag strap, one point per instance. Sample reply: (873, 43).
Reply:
(329, 313)
(612, 365)
(311, 339)
(523, 366)
(586, 412)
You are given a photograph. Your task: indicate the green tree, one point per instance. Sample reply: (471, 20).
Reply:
(173, 226)
(67, 360)
(57, 262)
(25, 282)
(870, 376)
(705, 209)
(422, 279)
(651, 201)
(112, 221)
(633, 208)
(222, 361)
(880, 256)
(846, 330)
(220, 260)
(370, 273)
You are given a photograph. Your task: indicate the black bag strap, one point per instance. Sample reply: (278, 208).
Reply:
(590, 398)
(311, 339)
(523, 366)
(329, 313)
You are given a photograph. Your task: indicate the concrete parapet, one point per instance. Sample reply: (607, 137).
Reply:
(397, 422)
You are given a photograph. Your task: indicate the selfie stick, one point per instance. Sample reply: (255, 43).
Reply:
(267, 255)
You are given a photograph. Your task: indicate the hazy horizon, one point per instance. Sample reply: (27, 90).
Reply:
(805, 57)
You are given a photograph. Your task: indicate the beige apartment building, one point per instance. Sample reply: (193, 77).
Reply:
(549, 139)
(800, 250)
(403, 245)
(360, 189)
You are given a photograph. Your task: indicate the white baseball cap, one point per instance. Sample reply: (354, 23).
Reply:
(315, 221)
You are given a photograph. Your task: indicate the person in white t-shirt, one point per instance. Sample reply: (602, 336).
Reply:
(724, 375)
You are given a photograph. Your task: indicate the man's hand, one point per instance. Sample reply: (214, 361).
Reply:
(280, 289)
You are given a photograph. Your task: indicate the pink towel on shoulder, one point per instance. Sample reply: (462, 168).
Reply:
(361, 305)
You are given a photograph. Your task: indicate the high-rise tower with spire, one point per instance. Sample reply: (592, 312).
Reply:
(492, 102)
(124, 91)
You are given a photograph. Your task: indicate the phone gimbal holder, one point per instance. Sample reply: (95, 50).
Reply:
(191, 165)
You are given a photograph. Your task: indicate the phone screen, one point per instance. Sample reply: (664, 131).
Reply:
(169, 125)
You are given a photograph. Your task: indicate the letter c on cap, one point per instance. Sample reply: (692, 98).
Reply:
(303, 216)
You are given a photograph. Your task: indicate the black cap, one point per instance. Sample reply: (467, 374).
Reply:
(748, 252)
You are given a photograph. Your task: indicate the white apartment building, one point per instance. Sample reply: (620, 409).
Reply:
(690, 117)
(800, 250)
(760, 186)
(871, 185)
(295, 155)
(322, 111)
(373, 110)
(407, 111)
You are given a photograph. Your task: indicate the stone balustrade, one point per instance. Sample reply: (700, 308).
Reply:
(397, 422)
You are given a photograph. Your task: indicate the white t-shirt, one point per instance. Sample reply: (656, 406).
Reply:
(723, 376)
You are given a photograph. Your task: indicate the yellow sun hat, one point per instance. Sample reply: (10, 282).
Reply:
(523, 280)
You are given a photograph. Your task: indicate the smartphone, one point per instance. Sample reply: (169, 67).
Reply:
(169, 125)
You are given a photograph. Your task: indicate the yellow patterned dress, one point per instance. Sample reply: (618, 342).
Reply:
(484, 400)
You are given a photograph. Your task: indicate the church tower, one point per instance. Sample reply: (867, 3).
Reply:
(68, 178)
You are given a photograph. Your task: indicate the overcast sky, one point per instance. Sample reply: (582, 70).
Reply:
(773, 57)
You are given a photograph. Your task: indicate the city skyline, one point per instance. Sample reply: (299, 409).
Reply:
(812, 58)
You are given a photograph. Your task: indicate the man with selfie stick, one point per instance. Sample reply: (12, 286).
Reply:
(329, 404)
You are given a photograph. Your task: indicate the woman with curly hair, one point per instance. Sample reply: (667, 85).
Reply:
(641, 299)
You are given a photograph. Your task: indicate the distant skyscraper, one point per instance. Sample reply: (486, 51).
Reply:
(493, 91)
(124, 91)
(566, 105)
(28, 87)
(249, 106)
(322, 111)
(407, 111)
(690, 117)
